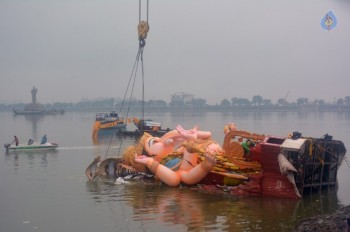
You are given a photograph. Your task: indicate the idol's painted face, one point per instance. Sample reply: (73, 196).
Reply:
(154, 146)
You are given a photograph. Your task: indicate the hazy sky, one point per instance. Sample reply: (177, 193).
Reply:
(76, 49)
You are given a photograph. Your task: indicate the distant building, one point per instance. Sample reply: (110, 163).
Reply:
(181, 99)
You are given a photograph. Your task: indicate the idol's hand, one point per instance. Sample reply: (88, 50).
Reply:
(210, 156)
(188, 134)
(232, 126)
(143, 159)
(210, 159)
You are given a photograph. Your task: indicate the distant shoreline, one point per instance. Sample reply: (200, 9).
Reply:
(209, 109)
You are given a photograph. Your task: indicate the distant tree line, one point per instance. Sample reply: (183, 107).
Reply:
(183, 101)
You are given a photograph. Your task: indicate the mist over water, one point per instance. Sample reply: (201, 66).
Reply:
(211, 49)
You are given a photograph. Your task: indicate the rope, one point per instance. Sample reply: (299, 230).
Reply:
(346, 161)
(140, 10)
(143, 29)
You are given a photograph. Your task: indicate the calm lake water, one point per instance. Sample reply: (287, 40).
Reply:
(48, 191)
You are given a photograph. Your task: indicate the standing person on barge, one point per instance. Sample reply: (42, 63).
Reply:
(15, 141)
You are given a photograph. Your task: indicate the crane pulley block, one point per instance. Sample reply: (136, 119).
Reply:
(143, 29)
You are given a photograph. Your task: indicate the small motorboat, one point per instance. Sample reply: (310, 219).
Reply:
(32, 147)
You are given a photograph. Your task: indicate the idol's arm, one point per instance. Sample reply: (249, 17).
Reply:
(197, 173)
(173, 136)
(164, 174)
(193, 133)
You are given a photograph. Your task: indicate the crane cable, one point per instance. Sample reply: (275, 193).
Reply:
(143, 28)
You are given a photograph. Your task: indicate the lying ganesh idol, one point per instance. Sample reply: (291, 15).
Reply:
(246, 164)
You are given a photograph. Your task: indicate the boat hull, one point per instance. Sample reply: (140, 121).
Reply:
(33, 147)
(106, 123)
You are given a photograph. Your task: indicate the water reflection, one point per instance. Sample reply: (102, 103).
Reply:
(282, 115)
(197, 211)
(33, 119)
(109, 137)
(342, 115)
(111, 145)
(104, 137)
(304, 115)
(30, 153)
(24, 160)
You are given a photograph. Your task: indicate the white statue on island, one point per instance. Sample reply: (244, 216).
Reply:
(34, 91)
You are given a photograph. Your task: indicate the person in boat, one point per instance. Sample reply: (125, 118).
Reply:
(43, 139)
(173, 158)
(30, 142)
(15, 140)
